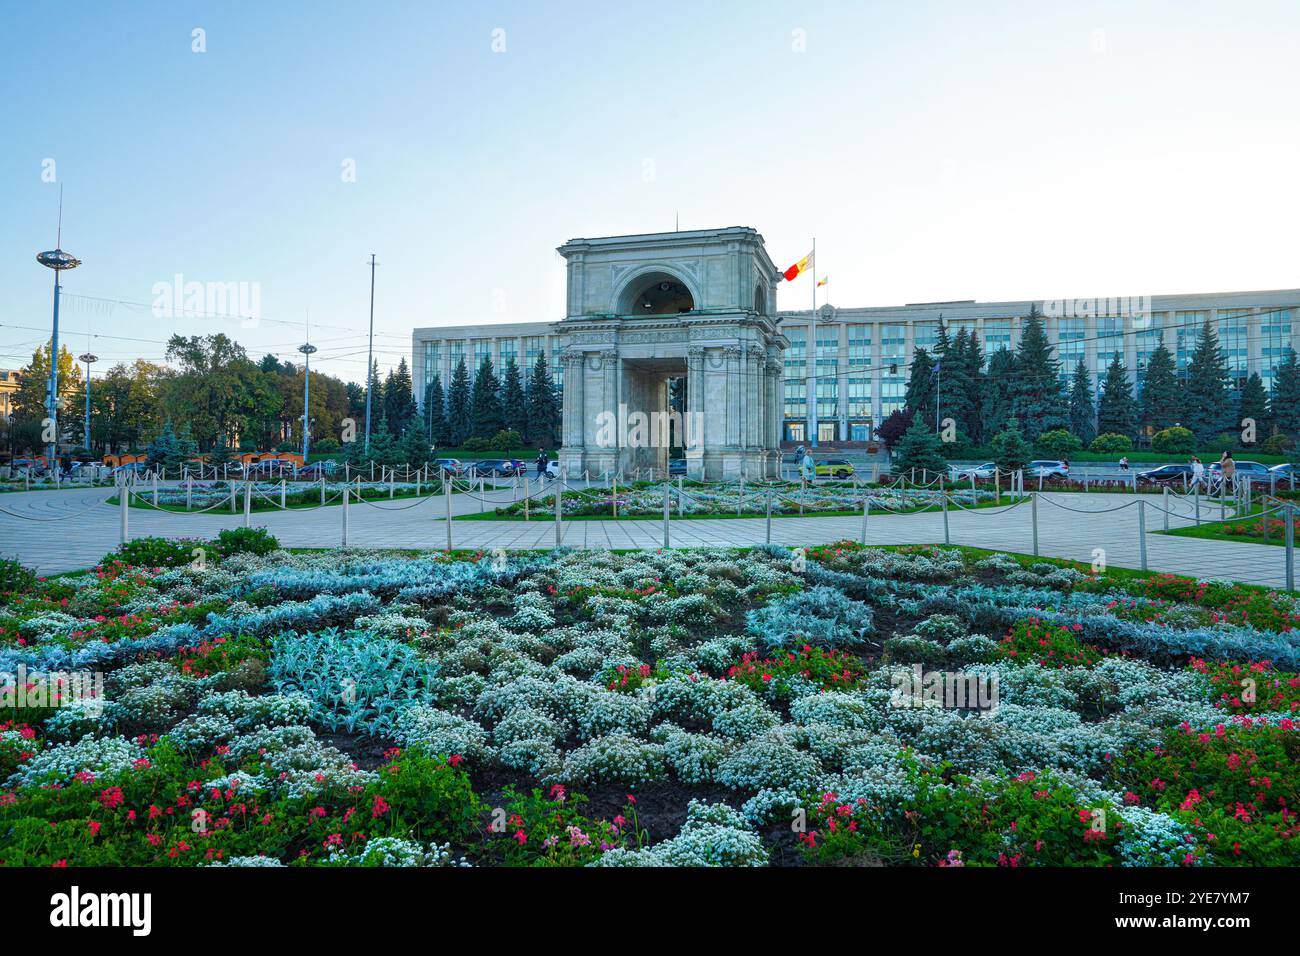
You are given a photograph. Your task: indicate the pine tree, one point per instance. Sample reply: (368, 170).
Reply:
(459, 423)
(414, 449)
(1286, 395)
(973, 361)
(165, 449)
(1162, 399)
(1253, 408)
(220, 455)
(384, 449)
(377, 399)
(1116, 410)
(399, 399)
(920, 449)
(995, 406)
(920, 387)
(1207, 411)
(514, 405)
(1037, 400)
(953, 381)
(1082, 411)
(435, 413)
(1010, 450)
(543, 407)
(485, 401)
(185, 443)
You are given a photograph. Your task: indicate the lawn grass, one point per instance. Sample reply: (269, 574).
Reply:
(1216, 532)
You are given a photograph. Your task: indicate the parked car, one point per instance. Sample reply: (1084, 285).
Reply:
(1285, 472)
(271, 468)
(833, 468)
(132, 468)
(1258, 474)
(492, 468)
(317, 470)
(553, 468)
(986, 470)
(449, 467)
(1048, 468)
(677, 467)
(29, 465)
(1165, 474)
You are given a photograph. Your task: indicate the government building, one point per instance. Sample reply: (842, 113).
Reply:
(686, 322)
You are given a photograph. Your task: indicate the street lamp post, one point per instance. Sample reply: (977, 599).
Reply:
(306, 350)
(89, 360)
(58, 260)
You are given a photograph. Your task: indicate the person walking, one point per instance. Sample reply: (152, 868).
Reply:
(1198, 472)
(1123, 463)
(808, 469)
(541, 465)
(1229, 469)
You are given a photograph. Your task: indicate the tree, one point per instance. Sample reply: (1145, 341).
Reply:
(399, 399)
(1174, 441)
(1116, 410)
(1253, 410)
(217, 389)
(514, 404)
(921, 450)
(220, 456)
(435, 412)
(415, 449)
(485, 402)
(973, 361)
(995, 408)
(459, 423)
(543, 406)
(1286, 395)
(1207, 410)
(1162, 399)
(1010, 450)
(1037, 400)
(384, 449)
(894, 427)
(953, 382)
(919, 396)
(1058, 443)
(28, 401)
(1082, 412)
(165, 449)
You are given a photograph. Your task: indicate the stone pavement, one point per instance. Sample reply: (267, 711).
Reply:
(66, 530)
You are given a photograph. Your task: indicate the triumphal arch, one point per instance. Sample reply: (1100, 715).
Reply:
(673, 351)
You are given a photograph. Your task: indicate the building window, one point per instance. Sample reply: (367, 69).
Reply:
(1070, 335)
(1233, 326)
(432, 362)
(997, 335)
(509, 349)
(1187, 326)
(1275, 341)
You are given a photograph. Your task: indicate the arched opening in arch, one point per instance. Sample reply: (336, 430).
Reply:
(656, 293)
(760, 299)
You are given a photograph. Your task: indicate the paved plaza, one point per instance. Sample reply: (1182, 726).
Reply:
(58, 531)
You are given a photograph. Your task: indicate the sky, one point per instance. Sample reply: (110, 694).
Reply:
(934, 150)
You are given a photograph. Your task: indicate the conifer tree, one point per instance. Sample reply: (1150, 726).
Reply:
(1082, 411)
(1286, 395)
(435, 413)
(1207, 411)
(1253, 409)
(1037, 400)
(514, 404)
(485, 401)
(1162, 398)
(460, 424)
(1116, 410)
(543, 406)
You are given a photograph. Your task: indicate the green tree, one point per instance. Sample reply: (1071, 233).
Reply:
(384, 448)
(1010, 450)
(1162, 399)
(1253, 407)
(1208, 412)
(543, 406)
(485, 401)
(220, 455)
(1286, 395)
(1082, 411)
(435, 413)
(1116, 410)
(514, 403)
(1037, 400)
(995, 389)
(920, 449)
(399, 399)
(415, 449)
(1174, 441)
(1058, 443)
(953, 382)
(973, 361)
(165, 449)
(919, 396)
(459, 423)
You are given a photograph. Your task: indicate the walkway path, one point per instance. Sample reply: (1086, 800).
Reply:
(67, 530)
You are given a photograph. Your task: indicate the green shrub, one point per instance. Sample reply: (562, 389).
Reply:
(327, 446)
(1174, 441)
(1228, 441)
(1111, 444)
(477, 444)
(14, 578)
(507, 439)
(245, 540)
(1058, 443)
(154, 553)
(1279, 444)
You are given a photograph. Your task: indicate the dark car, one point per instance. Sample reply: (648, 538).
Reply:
(677, 467)
(271, 468)
(449, 467)
(1165, 474)
(318, 470)
(492, 468)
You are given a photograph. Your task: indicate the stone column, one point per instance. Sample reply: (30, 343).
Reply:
(693, 428)
(733, 368)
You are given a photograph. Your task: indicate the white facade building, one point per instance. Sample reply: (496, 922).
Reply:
(839, 375)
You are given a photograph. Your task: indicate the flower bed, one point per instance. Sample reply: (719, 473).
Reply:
(918, 706)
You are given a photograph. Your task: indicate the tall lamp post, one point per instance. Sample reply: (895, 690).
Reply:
(58, 260)
(370, 353)
(306, 350)
(89, 360)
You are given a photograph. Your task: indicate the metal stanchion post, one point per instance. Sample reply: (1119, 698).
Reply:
(1196, 498)
(155, 489)
(347, 494)
(679, 496)
(946, 538)
(322, 486)
(284, 502)
(189, 493)
(1289, 514)
(613, 499)
(124, 500)
(667, 512)
(1164, 502)
(1142, 532)
(446, 484)
(248, 503)
(558, 532)
(1033, 512)
(769, 517)
(866, 513)
(232, 497)
(527, 494)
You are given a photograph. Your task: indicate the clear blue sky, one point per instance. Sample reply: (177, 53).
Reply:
(936, 150)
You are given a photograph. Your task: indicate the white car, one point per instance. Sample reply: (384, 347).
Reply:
(553, 468)
(986, 470)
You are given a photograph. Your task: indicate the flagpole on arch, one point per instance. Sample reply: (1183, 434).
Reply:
(813, 423)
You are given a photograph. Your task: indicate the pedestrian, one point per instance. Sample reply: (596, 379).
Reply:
(1229, 469)
(808, 469)
(541, 465)
(1123, 463)
(1198, 472)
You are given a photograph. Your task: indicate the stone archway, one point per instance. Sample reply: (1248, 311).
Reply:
(655, 292)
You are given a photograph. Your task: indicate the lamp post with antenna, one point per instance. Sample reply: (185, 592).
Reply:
(58, 260)
(370, 353)
(89, 360)
(306, 349)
